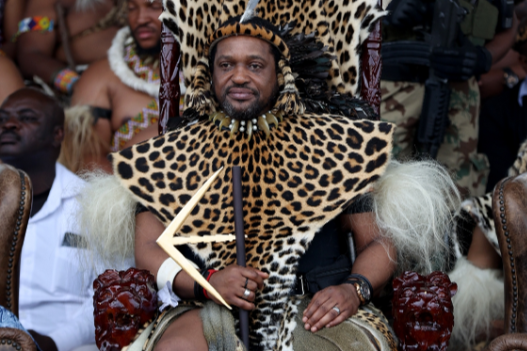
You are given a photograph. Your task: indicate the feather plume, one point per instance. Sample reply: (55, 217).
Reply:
(310, 63)
(249, 11)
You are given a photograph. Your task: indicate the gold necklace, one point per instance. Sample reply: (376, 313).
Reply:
(263, 122)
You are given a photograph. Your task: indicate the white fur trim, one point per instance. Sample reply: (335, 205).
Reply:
(107, 222)
(120, 68)
(413, 203)
(479, 300)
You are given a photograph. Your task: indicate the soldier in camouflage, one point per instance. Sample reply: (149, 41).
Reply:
(485, 39)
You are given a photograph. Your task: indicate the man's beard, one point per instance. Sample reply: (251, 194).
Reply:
(142, 52)
(253, 110)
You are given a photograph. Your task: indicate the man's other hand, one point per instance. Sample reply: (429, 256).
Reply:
(320, 312)
(230, 283)
(45, 342)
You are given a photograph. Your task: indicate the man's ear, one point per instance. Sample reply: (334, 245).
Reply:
(58, 135)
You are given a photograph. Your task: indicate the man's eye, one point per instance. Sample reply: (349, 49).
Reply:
(225, 65)
(27, 118)
(255, 66)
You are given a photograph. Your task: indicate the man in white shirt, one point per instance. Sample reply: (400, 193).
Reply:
(55, 296)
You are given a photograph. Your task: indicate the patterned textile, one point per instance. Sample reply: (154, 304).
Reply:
(138, 65)
(65, 80)
(131, 127)
(32, 24)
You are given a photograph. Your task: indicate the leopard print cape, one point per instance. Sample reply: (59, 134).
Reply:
(296, 180)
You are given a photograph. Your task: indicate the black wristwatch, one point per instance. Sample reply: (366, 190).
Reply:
(363, 286)
(511, 78)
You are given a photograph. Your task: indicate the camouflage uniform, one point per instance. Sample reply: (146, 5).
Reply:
(401, 104)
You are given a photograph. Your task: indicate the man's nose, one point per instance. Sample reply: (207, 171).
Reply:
(10, 123)
(143, 16)
(240, 75)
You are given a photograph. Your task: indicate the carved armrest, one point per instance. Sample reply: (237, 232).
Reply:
(16, 340)
(508, 342)
(15, 207)
(509, 203)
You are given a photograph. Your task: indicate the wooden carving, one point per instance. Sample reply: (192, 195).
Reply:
(169, 90)
(371, 66)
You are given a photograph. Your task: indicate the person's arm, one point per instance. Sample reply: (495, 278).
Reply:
(229, 282)
(13, 12)
(93, 91)
(375, 261)
(493, 82)
(11, 78)
(35, 50)
(502, 42)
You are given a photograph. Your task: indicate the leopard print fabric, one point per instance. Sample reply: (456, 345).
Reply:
(341, 25)
(520, 165)
(481, 207)
(303, 175)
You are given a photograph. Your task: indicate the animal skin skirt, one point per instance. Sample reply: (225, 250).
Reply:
(367, 330)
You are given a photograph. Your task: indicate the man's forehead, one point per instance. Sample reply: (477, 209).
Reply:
(249, 43)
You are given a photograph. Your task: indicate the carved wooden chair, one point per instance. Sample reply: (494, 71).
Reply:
(509, 205)
(15, 208)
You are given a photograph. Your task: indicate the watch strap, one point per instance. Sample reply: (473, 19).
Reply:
(356, 280)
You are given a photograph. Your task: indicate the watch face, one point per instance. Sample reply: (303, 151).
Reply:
(363, 290)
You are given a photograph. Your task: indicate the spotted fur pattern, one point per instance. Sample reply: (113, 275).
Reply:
(481, 210)
(481, 207)
(296, 180)
(520, 165)
(341, 25)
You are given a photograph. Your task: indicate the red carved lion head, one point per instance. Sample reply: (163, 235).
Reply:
(423, 311)
(123, 302)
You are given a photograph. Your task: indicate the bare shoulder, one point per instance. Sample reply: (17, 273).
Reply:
(94, 85)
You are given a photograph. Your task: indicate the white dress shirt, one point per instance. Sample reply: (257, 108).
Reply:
(55, 294)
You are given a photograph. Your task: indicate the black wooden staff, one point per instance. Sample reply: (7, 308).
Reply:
(240, 243)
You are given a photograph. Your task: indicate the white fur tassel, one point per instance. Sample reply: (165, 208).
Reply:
(479, 301)
(413, 203)
(107, 222)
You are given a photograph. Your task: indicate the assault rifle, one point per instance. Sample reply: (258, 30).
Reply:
(434, 114)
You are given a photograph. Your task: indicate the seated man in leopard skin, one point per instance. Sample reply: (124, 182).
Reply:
(311, 172)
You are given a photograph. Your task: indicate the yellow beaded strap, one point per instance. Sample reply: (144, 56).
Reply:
(264, 123)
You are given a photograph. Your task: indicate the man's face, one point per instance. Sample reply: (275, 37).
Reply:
(25, 127)
(143, 19)
(244, 78)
